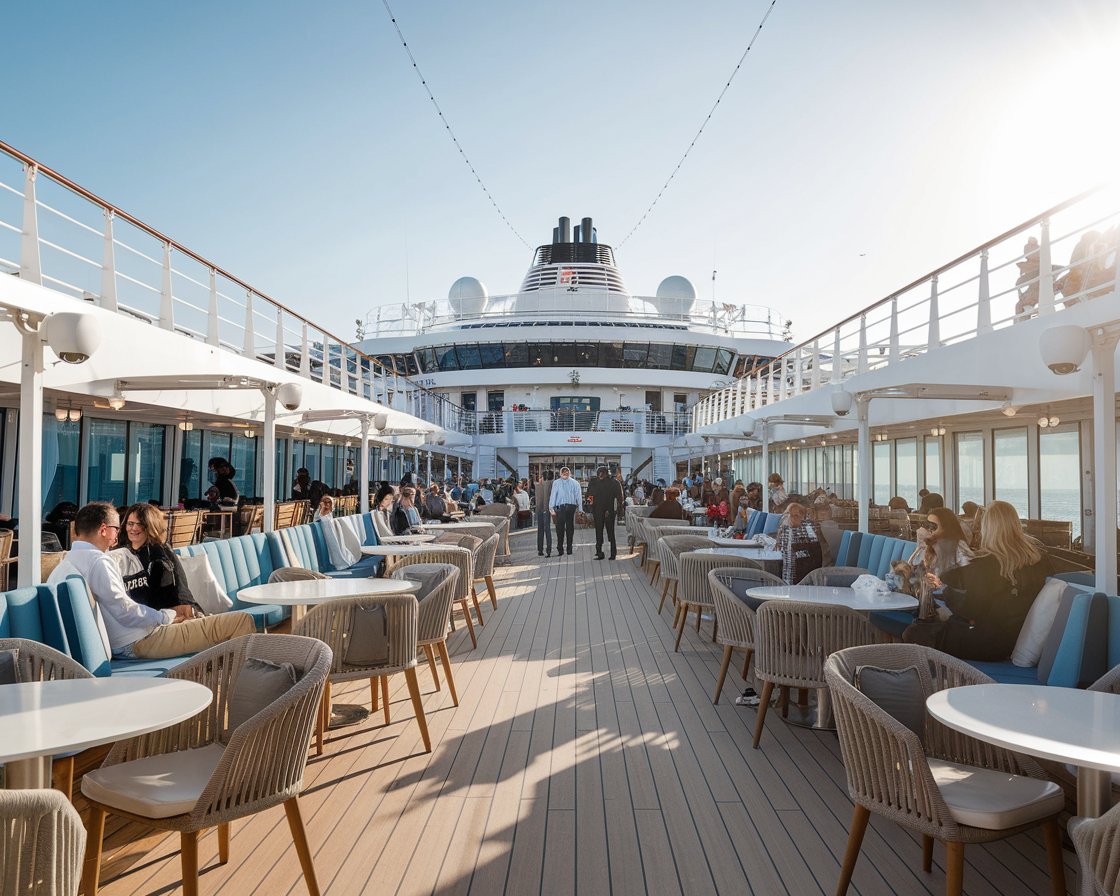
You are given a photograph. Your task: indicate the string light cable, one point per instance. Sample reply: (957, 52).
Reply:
(707, 119)
(447, 125)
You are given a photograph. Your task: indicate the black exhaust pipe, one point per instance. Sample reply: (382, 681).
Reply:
(565, 231)
(585, 230)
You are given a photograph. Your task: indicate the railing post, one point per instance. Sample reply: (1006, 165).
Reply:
(166, 299)
(304, 354)
(861, 364)
(1045, 271)
(798, 374)
(934, 316)
(109, 267)
(250, 347)
(984, 300)
(815, 373)
(30, 264)
(212, 319)
(837, 362)
(280, 360)
(894, 330)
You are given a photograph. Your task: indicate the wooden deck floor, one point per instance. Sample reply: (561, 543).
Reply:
(584, 757)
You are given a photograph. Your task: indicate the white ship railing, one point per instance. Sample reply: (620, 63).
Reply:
(993, 286)
(652, 422)
(56, 233)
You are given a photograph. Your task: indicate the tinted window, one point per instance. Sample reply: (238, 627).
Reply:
(537, 354)
(610, 354)
(446, 359)
(562, 354)
(516, 354)
(635, 353)
(682, 356)
(587, 354)
(428, 360)
(469, 357)
(492, 355)
(705, 358)
(660, 356)
(723, 361)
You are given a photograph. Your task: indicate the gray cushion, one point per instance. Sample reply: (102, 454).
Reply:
(1053, 639)
(428, 575)
(898, 692)
(368, 643)
(259, 683)
(841, 580)
(9, 667)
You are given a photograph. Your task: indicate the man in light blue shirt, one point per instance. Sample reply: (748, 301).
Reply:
(563, 504)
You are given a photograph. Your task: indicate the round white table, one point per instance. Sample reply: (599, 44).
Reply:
(43, 718)
(303, 593)
(750, 551)
(839, 597)
(1063, 724)
(474, 521)
(408, 539)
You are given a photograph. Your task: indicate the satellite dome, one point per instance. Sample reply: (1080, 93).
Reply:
(676, 287)
(467, 296)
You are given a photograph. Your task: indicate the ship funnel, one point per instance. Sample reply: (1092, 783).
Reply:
(585, 230)
(565, 231)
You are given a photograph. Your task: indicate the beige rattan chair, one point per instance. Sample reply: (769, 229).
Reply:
(42, 842)
(792, 642)
(250, 519)
(7, 538)
(38, 662)
(504, 514)
(288, 513)
(211, 774)
(48, 562)
(818, 576)
(669, 549)
(654, 529)
(694, 591)
(461, 558)
(184, 528)
(333, 623)
(1097, 841)
(484, 569)
(916, 779)
(438, 582)
(635, 512)
(735, 616)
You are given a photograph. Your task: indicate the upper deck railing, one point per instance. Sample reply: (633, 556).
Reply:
(569, 421)
(1010, 278)
(58, 234)
(725, 318)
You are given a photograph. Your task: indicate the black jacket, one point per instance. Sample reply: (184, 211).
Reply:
(163, 584)
(606, 496)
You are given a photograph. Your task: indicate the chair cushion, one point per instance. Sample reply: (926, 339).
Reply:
(259, 683)
(898, 692)
(157, 786)
(368, 641)
(204, 586)
(994, 801)
(366, 568)
(1076, 649)
(9, 667)
(429, 576)
(148, 668)
(841, 580)
(1037, 625)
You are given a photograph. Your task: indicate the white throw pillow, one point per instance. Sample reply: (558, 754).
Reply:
(348, 539)
(331, 536)
(205, 588)
(1037, 625)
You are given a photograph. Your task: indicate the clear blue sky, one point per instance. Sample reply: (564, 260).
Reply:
(861, 145)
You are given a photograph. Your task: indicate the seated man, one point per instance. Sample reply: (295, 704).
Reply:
(136, 631)
(435, 507)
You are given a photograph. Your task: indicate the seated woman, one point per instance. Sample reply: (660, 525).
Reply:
(942, 546)
(742, 515)
(325, 510)
(405, 516)
(799, 543)
(989, 597)
(382, 511)
(670, 508)
(157, 579)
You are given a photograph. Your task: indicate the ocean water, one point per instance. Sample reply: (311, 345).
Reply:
(1057, 504)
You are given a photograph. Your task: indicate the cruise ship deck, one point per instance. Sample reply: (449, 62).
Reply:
(585, 757)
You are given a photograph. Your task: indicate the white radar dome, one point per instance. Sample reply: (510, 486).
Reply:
(467, 296)
(676, 295)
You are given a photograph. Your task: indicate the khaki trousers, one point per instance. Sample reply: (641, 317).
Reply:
(193, 636)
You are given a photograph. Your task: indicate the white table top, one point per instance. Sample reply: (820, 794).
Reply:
(1063, 724)
(474, 521)
(839, 597)
(404, 550)
(44, 718)
(408, 539)
(317, 591)
(750, 551)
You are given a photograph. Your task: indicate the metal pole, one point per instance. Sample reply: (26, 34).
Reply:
(268, 461)
(363, 466)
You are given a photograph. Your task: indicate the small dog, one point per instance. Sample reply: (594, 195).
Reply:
(899, 576)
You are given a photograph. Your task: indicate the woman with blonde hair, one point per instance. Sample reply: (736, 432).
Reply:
(989, 597)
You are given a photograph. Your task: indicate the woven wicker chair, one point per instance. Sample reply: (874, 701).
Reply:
(1097, 841)
(694, 591)
(434, 613)
(669, 549)
(333, 624)
(735, 616)
(818, 576)
(889, 769)
(654, 529)
(257, 765)
(41, 844)
(792, 642)
(502, 513)
(463, 559)
(484, 569)
(38, 662)
(633, 513)
(183, 528)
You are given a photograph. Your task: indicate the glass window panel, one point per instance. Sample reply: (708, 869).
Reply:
(933, 464)
(587, 354)
(610, 354)
(428, 363)
(704, 359)
(682, 356)
(329, 474)
(243, 458)
(906, 470)
(723, 361)
(881, 473)
(105, 466)
(1059, 463)
(469, 357)
(1010, 446)
(970, 467)
(60, 461)
(299, 454)
(516, 354)
(492, 355)
(283, 477)
(538, 355)
(445, 358)
(561, 354)
(634, 354)
(191, 466)
(312, 453)
(660, 356)
(145, 462)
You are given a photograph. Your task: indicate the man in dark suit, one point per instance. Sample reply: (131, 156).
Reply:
(607, 501)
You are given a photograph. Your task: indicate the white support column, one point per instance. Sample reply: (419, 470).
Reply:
(934, 316)
(1045, 272)
(861, 364)
(1104, 460)
(109, 267)
(212, 320)
(30, 263)
(894, 330)
(166, 297)
(280, 360)
(363, 466)
(268, 460)
(863, 465)
(428, 481)
(984, 300)
(249, 348)
(30, 488)
(815, 374)
(837, 361)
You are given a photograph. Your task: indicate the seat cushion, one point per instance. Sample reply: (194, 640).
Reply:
(1037, 625)
(366, 568)
(155, 787)
(149, 668)
(994, 801)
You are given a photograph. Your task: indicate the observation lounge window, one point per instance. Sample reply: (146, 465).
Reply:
(610, 354)
(492, 354)
(970, 467)
(427, 357)
(723, 361)
(704, 359)
(660, 356)
(587, 354)
(634, 354)
(516, 354)
(446, 357)
(539, 355)
(469, 357)
(562, 354)
(105, 464)
(682, 356)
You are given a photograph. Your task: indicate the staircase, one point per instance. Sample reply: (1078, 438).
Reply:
(663, 467)
(486, 467)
